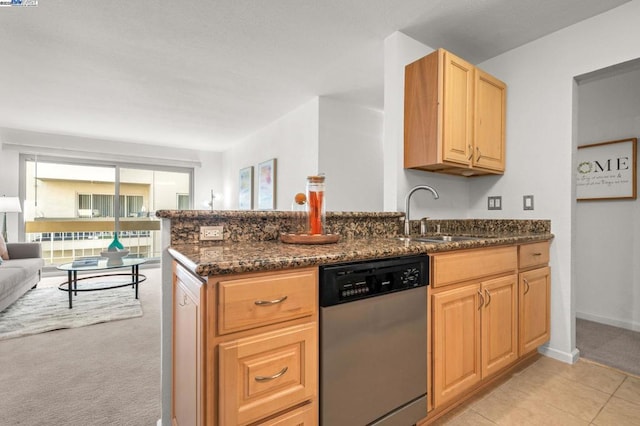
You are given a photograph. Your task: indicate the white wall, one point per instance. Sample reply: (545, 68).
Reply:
(324, 135)
(292, 140)
(350, 155)
(607, 237)
(400, 50)
(541, 139)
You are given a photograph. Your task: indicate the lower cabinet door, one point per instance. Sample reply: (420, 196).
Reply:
(186, 403)
(456, 333)
(266, 374)
(535, 309)
(499, 324)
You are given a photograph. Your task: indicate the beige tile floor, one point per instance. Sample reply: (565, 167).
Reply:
(551, 393)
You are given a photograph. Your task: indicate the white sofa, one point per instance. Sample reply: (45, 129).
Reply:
(20, 273)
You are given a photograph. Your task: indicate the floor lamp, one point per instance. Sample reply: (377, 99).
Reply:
(8, 205)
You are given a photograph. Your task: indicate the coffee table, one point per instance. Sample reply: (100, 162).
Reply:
(103, 264)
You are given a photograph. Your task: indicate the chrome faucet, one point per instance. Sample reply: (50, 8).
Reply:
(407, 202)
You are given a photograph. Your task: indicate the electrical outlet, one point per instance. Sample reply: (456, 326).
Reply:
(209, 233)
(527, 202)
(494, 203)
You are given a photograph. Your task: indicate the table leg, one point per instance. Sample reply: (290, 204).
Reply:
(136, 277)
(70, 286)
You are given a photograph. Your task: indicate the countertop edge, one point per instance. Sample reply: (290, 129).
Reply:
(357, 251)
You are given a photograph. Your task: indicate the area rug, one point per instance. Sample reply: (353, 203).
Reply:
(46, 309)
(608, 345)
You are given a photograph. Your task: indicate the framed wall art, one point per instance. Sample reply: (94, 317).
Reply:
(245, 189)
(607, 171)
(267, 185)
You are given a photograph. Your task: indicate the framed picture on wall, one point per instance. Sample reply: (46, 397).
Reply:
(607, 171)
(267, 185)
(245, 189)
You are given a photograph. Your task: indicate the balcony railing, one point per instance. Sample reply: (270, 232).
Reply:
(64, 240)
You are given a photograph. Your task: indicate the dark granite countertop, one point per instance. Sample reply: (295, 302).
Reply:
(254, 256)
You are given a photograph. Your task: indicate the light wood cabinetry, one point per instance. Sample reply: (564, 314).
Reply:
(258, 357)
(264, 374)
(475, 323)
(454, 117)
(489, 309)
(187, 348)
(256, 301)
(535, 296)
(456, 334)
(499, 323)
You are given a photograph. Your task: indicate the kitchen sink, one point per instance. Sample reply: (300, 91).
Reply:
(440, 239)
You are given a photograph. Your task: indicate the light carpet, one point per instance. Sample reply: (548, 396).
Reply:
(608, 345)
(46, 309)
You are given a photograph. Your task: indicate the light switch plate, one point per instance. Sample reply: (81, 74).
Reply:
(494, 202)
(527, 202)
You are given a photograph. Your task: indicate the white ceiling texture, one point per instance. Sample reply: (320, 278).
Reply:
(205, 74)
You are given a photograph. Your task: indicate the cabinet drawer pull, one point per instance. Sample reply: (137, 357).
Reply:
(526, 283)
(471, 152)
(488, 297)
(270, 302)
(269, 378)
(481, 299)
(536, 254)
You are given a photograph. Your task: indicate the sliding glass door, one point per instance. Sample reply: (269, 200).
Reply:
(73, 208)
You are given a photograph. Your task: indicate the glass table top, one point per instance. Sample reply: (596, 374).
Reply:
(100, 263)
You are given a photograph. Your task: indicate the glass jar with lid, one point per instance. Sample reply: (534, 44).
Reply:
(316, 204)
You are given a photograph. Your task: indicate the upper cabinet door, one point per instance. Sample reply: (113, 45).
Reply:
(454, 117)
(457, 131)
(489, 129)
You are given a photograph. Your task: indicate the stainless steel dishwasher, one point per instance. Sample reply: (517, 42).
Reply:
(373, 342)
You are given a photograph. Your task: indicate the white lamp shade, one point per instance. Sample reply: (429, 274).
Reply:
(10, 205)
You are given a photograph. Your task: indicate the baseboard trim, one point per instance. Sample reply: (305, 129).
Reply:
(566, 357)
(627, 325)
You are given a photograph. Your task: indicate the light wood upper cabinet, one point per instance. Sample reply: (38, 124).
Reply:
(457, 112)
(454, 117)
(489, 123)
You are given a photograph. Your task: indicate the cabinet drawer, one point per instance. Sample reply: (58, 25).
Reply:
(450, 268)
(533, 255)
(256, 301)
(267, 373)
(303, 416)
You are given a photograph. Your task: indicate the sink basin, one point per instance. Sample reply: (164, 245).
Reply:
(447, 238)
(441, 239)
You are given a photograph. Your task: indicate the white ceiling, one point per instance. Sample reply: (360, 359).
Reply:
(205, 74)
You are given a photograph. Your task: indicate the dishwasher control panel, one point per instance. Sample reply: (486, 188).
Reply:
(358, 280)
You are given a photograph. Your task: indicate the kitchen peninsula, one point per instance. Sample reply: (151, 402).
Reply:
(228, 354)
